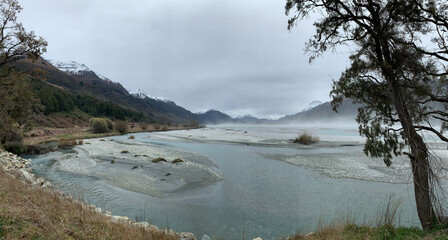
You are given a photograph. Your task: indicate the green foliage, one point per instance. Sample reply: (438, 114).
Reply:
(16, 106)
(110, 124)
(121, 127)
(57, 100)
(400, 82)
(98, 125)
(383, 232)
(16, 101)
(394, 78)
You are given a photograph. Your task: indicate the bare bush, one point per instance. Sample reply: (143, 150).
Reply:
(306, 139)
(143, 126)
(98, 125)
(121, 127)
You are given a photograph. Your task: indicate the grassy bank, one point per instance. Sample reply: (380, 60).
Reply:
(384, 232)
(28, 212)
(40, 136)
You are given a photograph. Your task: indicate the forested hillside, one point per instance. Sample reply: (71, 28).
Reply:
(56, 100)
(88, 83)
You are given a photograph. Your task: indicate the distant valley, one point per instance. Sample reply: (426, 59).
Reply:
(78, 79)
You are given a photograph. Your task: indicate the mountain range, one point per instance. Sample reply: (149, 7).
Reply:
(79, 79)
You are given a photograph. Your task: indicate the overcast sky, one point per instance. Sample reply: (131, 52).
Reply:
(231, 55)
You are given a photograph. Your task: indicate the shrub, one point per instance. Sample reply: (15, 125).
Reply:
(144, 126)
(177, 160)
(15, 147)
(121, 127)
(157, 126)
(66, 143)
(11, 140)
(110, 124)
(159, 159)
(98, 125)
(306, 139)
(192, 124)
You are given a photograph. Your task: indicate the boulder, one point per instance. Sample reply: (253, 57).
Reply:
(187, 236)
(47, 185)
(40, 181)
(26, 175)
(205, 237)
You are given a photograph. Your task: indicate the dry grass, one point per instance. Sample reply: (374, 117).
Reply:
(31, 213)
(67, 143)
(41, 135)
(333, 233)
(384, 232)
(177, 160)
(378, 229)
(159, 159)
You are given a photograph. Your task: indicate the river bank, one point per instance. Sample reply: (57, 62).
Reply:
(255, 194)
(35, 211)
(31, 208)
(251, 191)
(46, 139)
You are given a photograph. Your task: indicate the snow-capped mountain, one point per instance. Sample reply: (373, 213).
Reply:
(139, 93)
(74, 68)
(312, 105)
(71, 67)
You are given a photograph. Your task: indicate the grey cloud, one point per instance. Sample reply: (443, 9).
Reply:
(235, 56)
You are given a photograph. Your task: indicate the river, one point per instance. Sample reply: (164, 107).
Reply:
(259, 193)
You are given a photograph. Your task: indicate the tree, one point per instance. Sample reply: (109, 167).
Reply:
(15, 42)
(400, 82)
(16, 100)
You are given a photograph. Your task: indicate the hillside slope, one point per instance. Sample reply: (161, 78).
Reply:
(324, 113)
(87, 82)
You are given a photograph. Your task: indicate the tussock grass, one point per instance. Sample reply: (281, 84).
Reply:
(306, 139)
(381, 228)
(66, 143)
(27, 212)
(100, 125)
(121, 127)
(177, 160)
(356, 232)
(159, 159)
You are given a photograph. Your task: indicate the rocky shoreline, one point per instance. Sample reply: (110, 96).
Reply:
(12, 163)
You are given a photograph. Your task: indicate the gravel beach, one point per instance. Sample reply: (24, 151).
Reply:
(140, 167)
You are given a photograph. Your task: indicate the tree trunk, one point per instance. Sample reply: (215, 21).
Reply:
(422, 188)
(419, 161)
